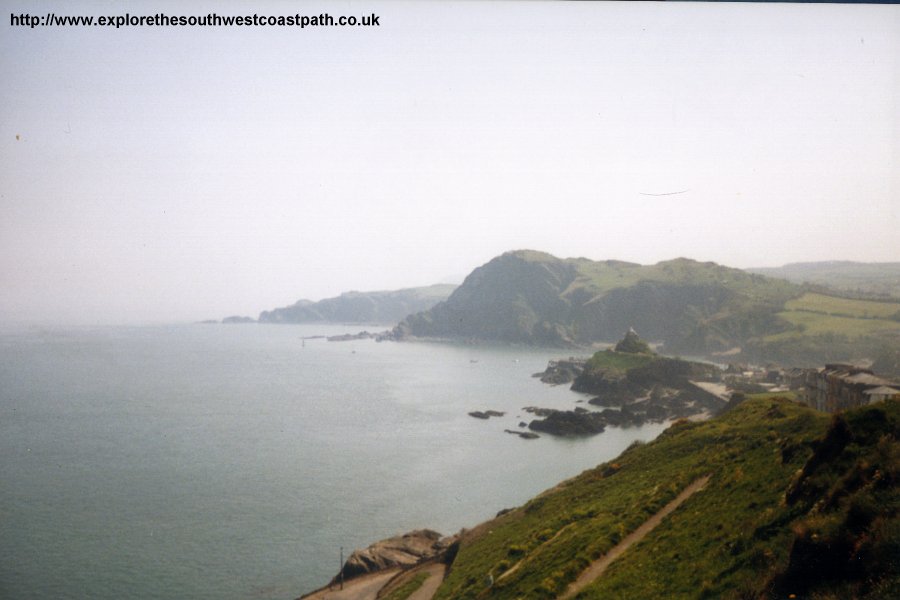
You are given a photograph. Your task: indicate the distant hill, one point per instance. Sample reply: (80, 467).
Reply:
(386, 307)
(881, 279)
(535, 298)
(788, 503)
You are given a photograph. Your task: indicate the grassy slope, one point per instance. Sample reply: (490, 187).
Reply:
(818, 314)
(722, 542)
(600, 277)
(619, 362)
(807, 315)
(694, 307)
(844, 307)
(405, 590)
(878, 278)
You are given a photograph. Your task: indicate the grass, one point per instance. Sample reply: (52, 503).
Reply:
(729, 540)
(772, 396)
(844, 307)
(600, 277)
(618, 361)
(406, 590)
(817, 314)
(812, 324)
(555, 536)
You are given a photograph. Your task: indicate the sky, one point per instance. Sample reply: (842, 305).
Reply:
(153, 175)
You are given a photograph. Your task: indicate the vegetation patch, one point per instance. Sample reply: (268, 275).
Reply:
(743, 536)
(617, 362)
(844, 307)
(813, 323)
(406, 589)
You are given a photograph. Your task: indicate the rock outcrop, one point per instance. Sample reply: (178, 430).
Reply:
(633, 385)
(633, 344)
(562, 371)
(578, 422)
(400, 551)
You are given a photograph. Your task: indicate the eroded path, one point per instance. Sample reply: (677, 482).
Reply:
(596, 569)
(358, 588)
(435, 578)
(367, 587)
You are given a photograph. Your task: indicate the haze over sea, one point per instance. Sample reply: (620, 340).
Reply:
(227, 462)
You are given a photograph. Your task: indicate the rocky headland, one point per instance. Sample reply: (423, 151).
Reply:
(361, 307)
(398, 551)
(237, 319)
(632, 384)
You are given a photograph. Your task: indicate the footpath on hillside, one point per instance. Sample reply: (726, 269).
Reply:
(596, 569)
(367, 587)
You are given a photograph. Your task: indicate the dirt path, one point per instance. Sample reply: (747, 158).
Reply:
(436, 576)
(359, 588)
(596, 569)
(516, 566)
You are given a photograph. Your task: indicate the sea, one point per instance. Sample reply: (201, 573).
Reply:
(242, 461)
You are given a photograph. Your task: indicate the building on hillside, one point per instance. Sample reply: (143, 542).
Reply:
(795, 378)
(882, 393)
(838, 387)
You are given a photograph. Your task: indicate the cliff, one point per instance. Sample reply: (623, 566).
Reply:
(386, 307)
(535, 298)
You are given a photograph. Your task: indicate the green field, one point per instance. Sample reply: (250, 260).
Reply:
(844, 307)
(599, 277)
(818, 314)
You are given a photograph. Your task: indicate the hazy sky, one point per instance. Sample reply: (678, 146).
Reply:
(176, 174)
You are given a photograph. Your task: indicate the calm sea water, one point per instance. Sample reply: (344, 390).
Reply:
(233, 462)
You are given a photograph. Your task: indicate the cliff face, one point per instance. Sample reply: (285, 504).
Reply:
(361, 307)
(535, 298)
(516, 297)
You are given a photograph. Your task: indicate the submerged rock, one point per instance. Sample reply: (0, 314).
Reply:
(486, 414)
(525, 435)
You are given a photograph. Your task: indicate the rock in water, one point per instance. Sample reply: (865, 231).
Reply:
(570, 423)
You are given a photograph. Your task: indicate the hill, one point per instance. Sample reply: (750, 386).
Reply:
(387, 307)
(532, 297)
(785, 501)
(880, 279)
(693, 308)
(825, 328)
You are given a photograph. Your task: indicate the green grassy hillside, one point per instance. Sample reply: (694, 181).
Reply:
(694, 308)
(881, 279)
(827, 328)
(532, 297)
(816, 314)
(791, 490)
